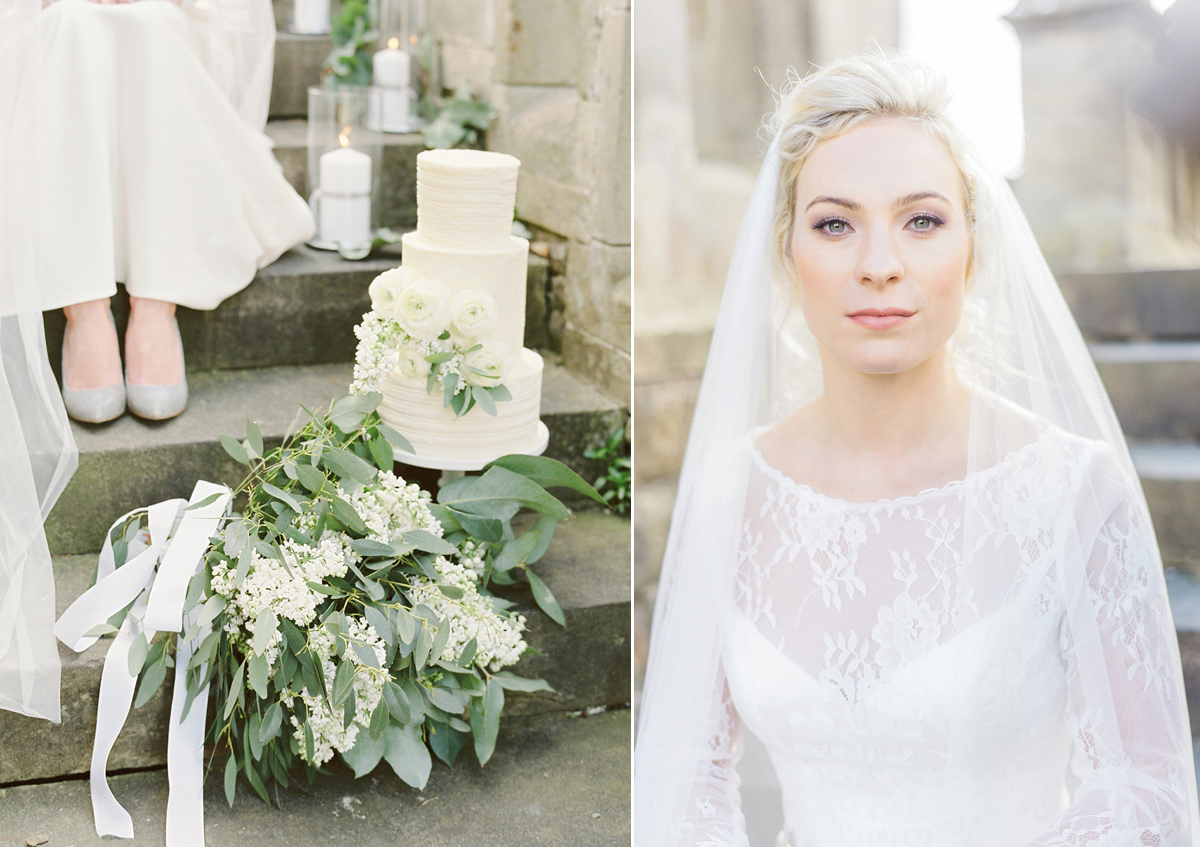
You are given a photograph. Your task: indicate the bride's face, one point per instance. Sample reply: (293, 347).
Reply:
(881, 246)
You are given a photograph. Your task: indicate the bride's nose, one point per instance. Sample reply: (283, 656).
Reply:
(879, 260)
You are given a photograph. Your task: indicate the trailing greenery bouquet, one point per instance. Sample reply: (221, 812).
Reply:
(344, 612)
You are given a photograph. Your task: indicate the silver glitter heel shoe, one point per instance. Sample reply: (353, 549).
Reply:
(93, 405)
(159, 402)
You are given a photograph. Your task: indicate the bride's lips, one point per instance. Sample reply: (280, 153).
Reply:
(880, 318)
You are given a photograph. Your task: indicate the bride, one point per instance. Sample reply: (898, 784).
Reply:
(154, 172)
(910, 552)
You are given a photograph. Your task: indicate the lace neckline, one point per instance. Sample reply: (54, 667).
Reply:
(887, 503)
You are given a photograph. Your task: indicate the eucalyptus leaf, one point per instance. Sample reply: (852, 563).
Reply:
(395, 438)
(152, 680)
(343, 683)
(231, 769)
(366, 753)
(485, 720)
(545, 599)
(365, 654)
(430, 543)
(254, 436)
(511, 682)
(264, 629)
(547, 472)
(235, 449)
(444, 700)
(138, 649)
(406, 752)
(499, 485)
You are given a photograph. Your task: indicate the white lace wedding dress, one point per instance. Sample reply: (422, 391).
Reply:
(900, 707)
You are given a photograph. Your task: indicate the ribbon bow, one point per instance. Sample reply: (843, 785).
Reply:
(154, 578)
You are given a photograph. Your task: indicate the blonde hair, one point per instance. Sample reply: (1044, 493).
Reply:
(833, 100)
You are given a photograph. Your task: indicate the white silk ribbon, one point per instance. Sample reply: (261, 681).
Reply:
(154, 578)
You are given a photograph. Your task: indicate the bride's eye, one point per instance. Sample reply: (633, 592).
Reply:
(925, 223)
(833, 226)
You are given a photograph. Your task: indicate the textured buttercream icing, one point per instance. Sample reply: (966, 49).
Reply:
(433, 430)
(501, 273)
(465, 198)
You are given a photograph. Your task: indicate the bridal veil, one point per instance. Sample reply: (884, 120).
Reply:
(1058, 579)
(37, 450)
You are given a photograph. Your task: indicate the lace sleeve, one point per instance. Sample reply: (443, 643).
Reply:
(1125, 697)
(714, 809)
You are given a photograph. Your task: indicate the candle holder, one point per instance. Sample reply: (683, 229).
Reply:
(310, 17)
(345, 158)
(396, 83)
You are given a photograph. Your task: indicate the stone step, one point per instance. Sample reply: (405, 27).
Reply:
(1135, 304)
(1170, 475)
(298, 61)
(587, 662)
(398, 192)
(130, 462)
(1154, 386)
(553, 780)
(299, 310)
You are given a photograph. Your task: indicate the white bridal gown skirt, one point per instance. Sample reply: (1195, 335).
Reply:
(150, 175)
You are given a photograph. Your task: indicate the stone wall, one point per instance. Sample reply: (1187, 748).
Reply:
(559, 74)
(1099, 181)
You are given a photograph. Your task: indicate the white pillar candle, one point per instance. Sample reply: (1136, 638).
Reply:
(391, 76)
(310, 17)
(345, 185)
(392, 68)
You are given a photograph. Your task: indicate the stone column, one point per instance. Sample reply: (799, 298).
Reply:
(1097, 179)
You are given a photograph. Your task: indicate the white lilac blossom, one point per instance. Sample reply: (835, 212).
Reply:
(497, 635)
(328, 728)
(280, 585)
(391, 507)
(379, 340)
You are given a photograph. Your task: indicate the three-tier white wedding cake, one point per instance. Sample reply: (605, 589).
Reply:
(463, 269)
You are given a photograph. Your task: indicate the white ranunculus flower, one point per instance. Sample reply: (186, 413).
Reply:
(423, 309)
(492, 360)
(411, 364)
(473, 314)
(385, 290)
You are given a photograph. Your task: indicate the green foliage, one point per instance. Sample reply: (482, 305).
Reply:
(460, 120)
(349, 63)
(616, 484)
(430, 705)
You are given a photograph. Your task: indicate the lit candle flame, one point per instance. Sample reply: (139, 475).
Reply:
(393, 43)
(344, 137)
(412, 39)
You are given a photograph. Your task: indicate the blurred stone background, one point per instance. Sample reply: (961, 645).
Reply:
(560, 76)
(1110, 183)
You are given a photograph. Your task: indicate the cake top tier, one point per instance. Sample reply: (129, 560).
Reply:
(465, 198)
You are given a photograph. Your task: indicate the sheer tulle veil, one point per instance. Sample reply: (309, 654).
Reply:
(37, 451)
(1031, 377)
(36, 447)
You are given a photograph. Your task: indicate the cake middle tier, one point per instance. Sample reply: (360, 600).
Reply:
(501, 273)
(434, 432)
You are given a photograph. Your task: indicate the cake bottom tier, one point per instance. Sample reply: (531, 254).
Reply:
(433, 430)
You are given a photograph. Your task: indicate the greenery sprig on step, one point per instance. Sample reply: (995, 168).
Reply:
(343, 612)
(616, 484)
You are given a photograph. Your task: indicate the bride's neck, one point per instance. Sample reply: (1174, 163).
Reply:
(888, 415)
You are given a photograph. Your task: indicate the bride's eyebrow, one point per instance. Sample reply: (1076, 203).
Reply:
(837, 201)
(918, 195)
(906, 200)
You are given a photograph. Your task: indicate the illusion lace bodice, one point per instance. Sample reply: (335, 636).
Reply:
(929, 671)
